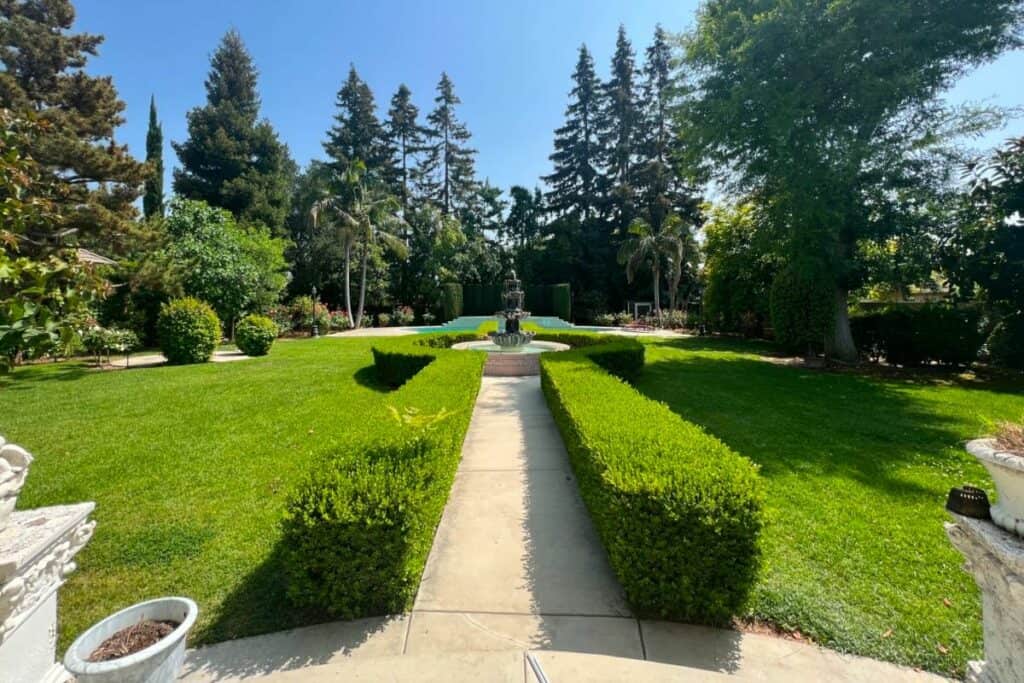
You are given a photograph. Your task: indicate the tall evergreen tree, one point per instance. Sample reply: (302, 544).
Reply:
(406, 138)
(231, 158)
(663, 191)
(92, 181)
(153, 199)
(574, 181)
(357, 134)
(447, 173)
(619, 131)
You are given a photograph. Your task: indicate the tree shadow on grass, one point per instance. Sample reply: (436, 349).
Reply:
(259, 605)
(367, 377)
(25, 377)
(792, 421)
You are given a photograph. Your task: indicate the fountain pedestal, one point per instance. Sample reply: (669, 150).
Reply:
(995, 558)
(37, 548)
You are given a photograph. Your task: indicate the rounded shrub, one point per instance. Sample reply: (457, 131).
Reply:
(255, 334)
(189, 331)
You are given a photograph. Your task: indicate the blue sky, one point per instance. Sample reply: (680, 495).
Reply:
(510, 61)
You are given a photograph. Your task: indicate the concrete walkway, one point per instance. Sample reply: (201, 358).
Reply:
(516, 567)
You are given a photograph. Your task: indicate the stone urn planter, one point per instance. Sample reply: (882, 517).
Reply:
(159, 663)
(1007, 471)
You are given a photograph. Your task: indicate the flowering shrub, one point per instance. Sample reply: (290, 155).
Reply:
(383, 320)
(623, 318)
(101, 341)
(403, 316)
(338, 320)
(428, 318)
(605, 320)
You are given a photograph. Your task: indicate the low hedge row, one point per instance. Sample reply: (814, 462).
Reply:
(678, 512)
(399, 360)
(358, 530)
(910, 335)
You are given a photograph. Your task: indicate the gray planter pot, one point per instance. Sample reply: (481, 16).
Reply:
(158, 663)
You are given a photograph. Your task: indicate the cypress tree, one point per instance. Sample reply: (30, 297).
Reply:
(447, 175)
(619, 128)
(357, 134)
(406, 138)
(574, 182)
(92, 181)
(232, 159)
(153, 198)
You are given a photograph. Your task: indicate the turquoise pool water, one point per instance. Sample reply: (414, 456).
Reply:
(469, 323)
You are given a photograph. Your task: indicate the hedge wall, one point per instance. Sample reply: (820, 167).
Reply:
(678, 512)
(482, 299)
(912, 335)
(358, 530)
(451, 301)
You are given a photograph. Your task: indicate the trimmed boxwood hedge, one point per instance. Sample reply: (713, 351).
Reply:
(255, 334)
(358, 530)
(678, 512)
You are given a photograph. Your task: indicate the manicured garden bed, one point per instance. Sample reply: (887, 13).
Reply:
(191, 467)
(856, 471)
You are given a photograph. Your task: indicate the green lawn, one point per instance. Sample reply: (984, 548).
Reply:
(189, 467)
(857, 471)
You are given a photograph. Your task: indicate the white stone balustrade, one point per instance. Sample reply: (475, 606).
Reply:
(37, 550)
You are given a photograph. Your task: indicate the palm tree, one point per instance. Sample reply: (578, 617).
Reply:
(365, 216)
(646, 247)
(681, 248)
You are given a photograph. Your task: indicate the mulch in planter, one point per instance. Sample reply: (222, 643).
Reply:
(132, 639)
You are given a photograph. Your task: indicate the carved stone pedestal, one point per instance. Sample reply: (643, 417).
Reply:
(995, 558)
(37, 548)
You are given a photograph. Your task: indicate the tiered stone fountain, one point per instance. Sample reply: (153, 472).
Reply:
(512, 352)
(37, 548)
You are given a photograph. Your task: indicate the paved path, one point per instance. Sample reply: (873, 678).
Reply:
(516, 567)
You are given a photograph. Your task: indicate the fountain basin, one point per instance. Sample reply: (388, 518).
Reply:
(533, 347)
(505, 361)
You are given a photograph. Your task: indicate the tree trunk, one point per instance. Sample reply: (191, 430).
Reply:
(348, 284)
(840, 345)
(362, 286)
(657, 291)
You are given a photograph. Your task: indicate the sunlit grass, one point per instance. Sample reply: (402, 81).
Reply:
(857, 470)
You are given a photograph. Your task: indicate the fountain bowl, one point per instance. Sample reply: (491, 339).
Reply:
(531, 347)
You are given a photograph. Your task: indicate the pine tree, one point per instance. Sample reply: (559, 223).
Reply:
(92, 180)
(153, 199)
(446, 175)
(574, 182)
(406, 138)
(357, 134)
(232, 159)
(619, 128)
(660, 188)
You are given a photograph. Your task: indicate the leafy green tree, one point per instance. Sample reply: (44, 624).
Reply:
(739, 268)
(406, 137)
(232, 159)
(363, 216)
(446, 173)
(823, 108)
(153, 198)
(357, 134)
(92, 181)
(237, 269)
(41, 291)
